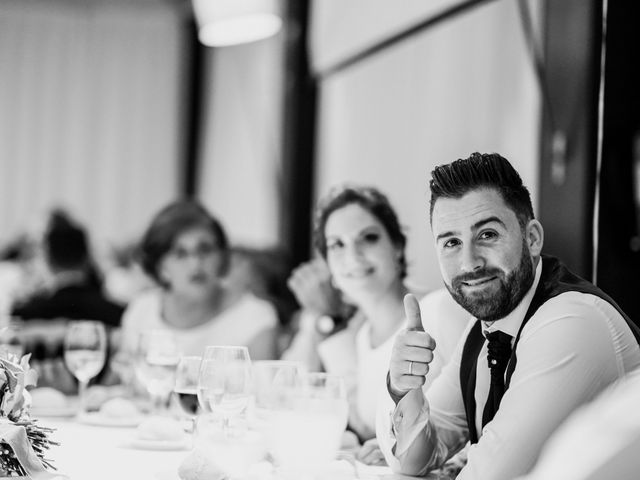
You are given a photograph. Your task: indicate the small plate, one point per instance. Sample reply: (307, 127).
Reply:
(140, 444)
(63, 412)
(100, 420)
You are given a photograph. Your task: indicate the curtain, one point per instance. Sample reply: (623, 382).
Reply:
(91, 112)
(240, 153)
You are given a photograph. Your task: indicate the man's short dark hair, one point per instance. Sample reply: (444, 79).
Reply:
(482, 170)
(65, 242)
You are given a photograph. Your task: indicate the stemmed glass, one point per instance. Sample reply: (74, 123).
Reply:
(224, 383)
(85, 352)
(271, 380)
(186, 386)
(156, 362)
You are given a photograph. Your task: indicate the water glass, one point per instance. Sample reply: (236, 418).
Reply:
(156, 361)
(316, 410)
(85, 352)
(271, 380)
(224, 383)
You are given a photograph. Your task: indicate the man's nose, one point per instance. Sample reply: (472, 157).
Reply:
(471, 259)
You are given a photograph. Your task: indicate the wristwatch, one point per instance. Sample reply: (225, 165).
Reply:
(325, 324)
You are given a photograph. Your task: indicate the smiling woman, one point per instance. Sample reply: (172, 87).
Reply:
(358, 233)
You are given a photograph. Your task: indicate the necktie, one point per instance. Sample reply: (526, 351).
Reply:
(498, 354)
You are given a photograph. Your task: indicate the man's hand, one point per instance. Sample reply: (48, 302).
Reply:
(412, 352)
(311, 284)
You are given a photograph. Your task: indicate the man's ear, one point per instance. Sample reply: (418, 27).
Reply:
(534, 236)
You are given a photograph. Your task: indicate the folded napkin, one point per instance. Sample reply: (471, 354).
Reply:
(198, 465)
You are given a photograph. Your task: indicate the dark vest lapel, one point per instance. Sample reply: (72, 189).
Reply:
(468, 364)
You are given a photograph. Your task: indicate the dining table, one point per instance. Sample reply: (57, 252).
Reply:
(90, 451)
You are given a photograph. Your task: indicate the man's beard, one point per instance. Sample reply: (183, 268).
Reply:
(490, 306)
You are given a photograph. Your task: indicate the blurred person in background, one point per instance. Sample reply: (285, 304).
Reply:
(359, 236)
(124, 278)
(74, 290)
(185, 250)
(352, 305)
(18, 279)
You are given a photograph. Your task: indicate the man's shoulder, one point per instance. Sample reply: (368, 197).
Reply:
(575, 304)
(579, 316)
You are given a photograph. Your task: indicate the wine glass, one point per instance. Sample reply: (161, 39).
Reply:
(186, 386)
(315, 409)
(224, 382)
(85, 352)
(271, 380)
(156, 361)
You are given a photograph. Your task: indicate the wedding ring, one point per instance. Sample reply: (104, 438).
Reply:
(410, 367)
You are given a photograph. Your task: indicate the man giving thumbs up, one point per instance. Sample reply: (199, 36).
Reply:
(412, 353)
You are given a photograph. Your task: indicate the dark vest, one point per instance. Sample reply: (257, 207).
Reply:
(554, 280)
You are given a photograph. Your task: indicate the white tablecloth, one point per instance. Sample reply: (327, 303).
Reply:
(88, 452)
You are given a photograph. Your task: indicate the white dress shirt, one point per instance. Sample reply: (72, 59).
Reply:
(573, 347)
(446, 322)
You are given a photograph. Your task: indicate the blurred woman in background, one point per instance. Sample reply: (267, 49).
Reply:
(358, 235)
(185, 250)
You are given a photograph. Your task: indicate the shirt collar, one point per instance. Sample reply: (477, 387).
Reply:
(511, 323)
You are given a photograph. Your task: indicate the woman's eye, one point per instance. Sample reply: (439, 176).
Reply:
(179, 253)
(206, 249)
(371, 237)
(334, 245)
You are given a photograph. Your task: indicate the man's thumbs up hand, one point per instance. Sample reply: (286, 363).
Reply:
(412, 312)
(412, 352)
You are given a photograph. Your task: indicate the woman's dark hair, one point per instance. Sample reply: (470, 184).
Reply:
(370, 199)
(482, 170)
(168, 224)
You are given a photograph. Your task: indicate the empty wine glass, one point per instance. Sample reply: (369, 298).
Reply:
(156, 362)
(186, 386)
(85, 352)
(224, 383)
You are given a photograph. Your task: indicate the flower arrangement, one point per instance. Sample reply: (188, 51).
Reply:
(23, 442)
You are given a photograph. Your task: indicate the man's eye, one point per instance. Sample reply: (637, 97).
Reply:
(487, 235)
(452, 243)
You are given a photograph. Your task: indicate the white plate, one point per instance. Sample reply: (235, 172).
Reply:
(140, 444)
(65, 412)
(100, 420)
